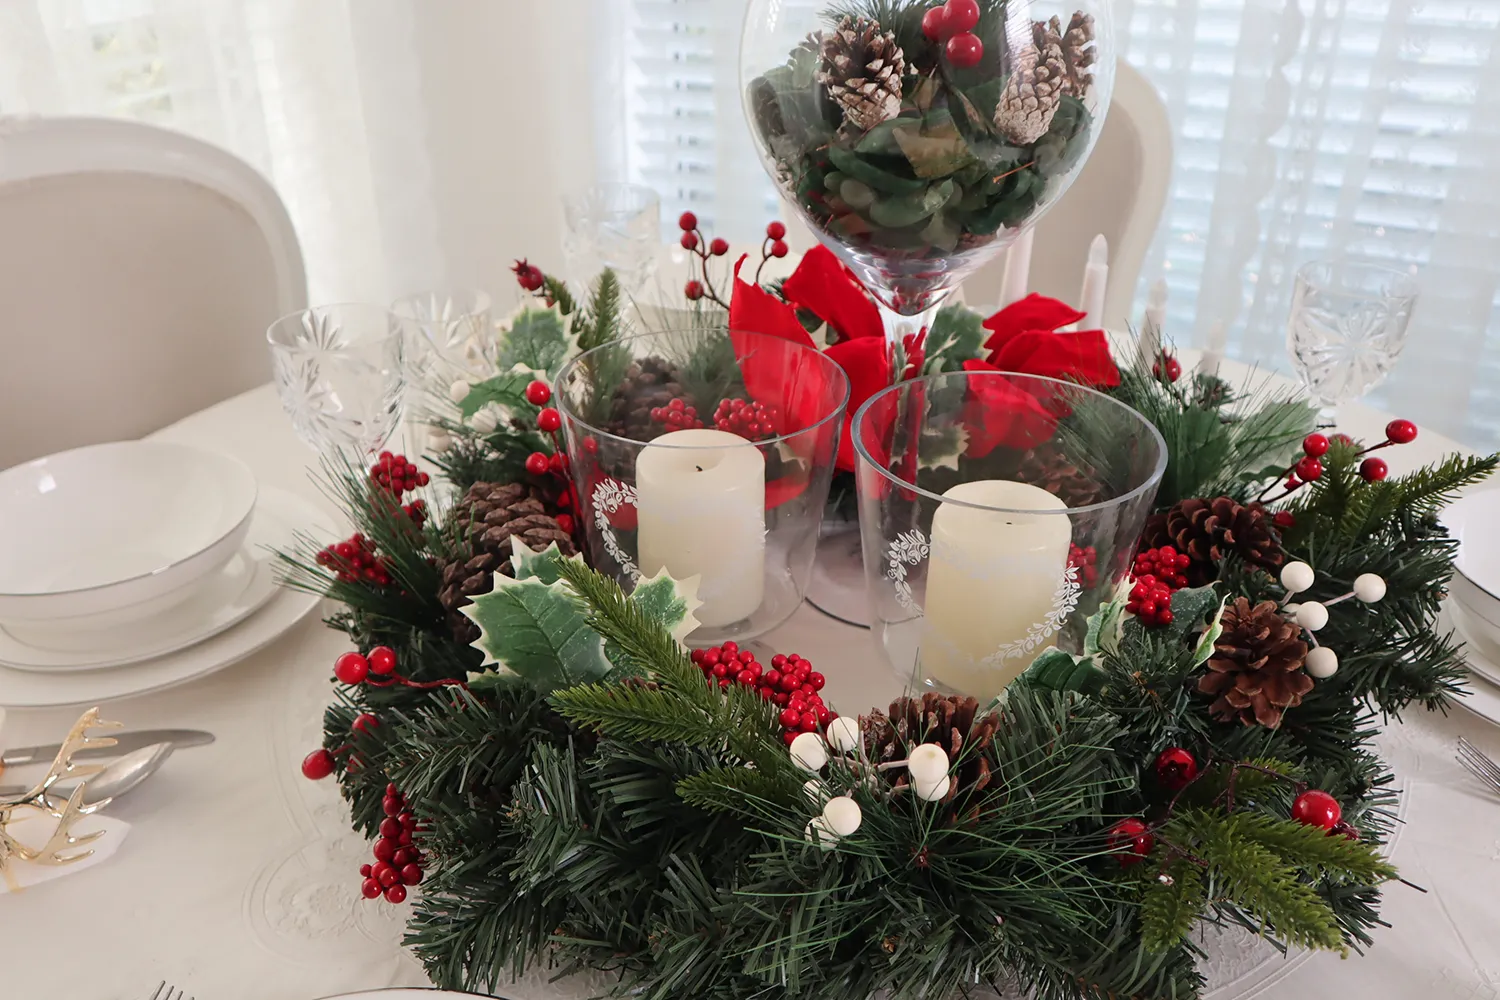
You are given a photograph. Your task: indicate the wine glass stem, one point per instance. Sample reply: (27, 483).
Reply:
(899, 326)
(1328, 416)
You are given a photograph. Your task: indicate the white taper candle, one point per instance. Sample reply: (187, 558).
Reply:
(1095, 280)
(1151, 326)
(1213, 354)
(1017, 270)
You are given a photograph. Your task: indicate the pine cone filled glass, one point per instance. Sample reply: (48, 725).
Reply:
(1256, 671)
(918, 139)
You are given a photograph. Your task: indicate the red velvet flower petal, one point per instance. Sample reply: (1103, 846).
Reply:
(1081, 357)
(1034, 312)
(999, 413)
(824, 286)
(867, 362)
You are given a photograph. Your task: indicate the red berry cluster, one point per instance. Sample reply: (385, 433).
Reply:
(1131, 840)
(1085, 559)
(354, 561)
(1157, 574)
(398, 862)
(1170, 365)
(699, 286)
(354, 669)
(1372, 470)
(416, 510)
(750, 420)
(396, 474)
(528, 275)
(953, 23)
(791, 683)
(677, 415)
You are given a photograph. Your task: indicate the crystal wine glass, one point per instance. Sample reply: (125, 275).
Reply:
(1347, 327)
(340, 374)
(450, 336)
(918, 139)
(617, 226)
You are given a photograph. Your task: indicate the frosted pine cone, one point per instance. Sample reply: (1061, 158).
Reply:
(862, 68)
(1035, 88)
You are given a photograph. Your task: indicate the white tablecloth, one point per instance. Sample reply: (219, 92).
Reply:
(239, 880)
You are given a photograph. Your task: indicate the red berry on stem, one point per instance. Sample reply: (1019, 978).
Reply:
(934, 23)
(537, 393)
(318, 765)
(390, 827)
(1315, 808)
(351, 668)
(1401, 431)
(961, 15)
(687, 221)
(1176, 768)
(1284, 519)
(693, 290)
(1131, 840)
(719, 247)
(1309, 468)
(395, 893)
(548, 420)
(385, 849)
(964, 50)
(689, 241)
(364, 722)
(536, 464)
(779, 248)
(411, 875)
(382, 660)
(775, 230)
(1373, 469)
(1315, 445)
(370, 888)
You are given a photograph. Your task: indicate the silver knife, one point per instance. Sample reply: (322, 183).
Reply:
(124, 743)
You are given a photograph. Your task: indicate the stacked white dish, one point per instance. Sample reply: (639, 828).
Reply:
(1473, 605)
(135, 565)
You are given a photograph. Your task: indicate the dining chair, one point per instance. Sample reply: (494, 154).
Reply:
(139, 270)
(1120, 192)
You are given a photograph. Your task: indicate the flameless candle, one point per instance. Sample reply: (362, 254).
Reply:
(991, 578)
(1213, 355)
(1017, 270)
(1151, 327)
(701, 497)
(1095, 280)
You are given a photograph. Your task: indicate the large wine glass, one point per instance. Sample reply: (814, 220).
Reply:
(918, 139)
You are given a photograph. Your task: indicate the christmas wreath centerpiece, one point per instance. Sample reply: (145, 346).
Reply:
(551, 777)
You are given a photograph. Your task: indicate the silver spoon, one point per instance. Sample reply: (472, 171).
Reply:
(117, 778)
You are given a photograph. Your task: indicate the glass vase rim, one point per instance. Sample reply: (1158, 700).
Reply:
(647, 195)
(483, 302)
(1409, 286)
(393, 331)
(562, 404)
(1151, 481)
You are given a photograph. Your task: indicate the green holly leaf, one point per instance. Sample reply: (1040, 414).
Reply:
(942, 447)
(1103, 635)
(538, 631)
(1205, 647)
(529, 565)
(1191, 606)
(537, 340)
(507, 390)
(1058, 670)
(484, 682)
(671, 602)
(956, 335)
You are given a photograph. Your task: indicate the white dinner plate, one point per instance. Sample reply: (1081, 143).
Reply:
(54, 689)
(1475, 521)
(224, 599)
(1483, 698)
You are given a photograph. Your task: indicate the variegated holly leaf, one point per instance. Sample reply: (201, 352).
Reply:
(1211, 633)
(1058, 670)
(529, 565)
(1103, 635)
(1190, 606)
(943, 446)
(956, 336)
(507, 390)
(538, 631)
(538, 340)
(671, 602)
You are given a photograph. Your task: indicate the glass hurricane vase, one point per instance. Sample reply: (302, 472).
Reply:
(706, 453)
(919, 139)
(997, 513)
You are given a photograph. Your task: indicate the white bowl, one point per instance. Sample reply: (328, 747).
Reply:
(1475, 521)
(115, 526)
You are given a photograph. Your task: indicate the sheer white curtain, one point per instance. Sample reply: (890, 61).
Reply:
(416, 143)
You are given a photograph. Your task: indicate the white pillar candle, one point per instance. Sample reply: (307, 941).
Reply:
(1017, 269)
(701, 503)
(991, 577)
(1095, 280)
(1213, 354)
(1151, 326)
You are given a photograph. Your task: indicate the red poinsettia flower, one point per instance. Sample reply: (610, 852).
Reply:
(823, 286)
(1024, 339)
(1000, 413)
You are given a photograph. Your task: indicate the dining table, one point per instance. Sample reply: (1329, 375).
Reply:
(239, 878)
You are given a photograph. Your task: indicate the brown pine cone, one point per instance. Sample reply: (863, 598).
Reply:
(1049, 469)
(862, 68)
(950, 721)
(1209, 531)
(1079, 51)
(647, 384)
(482, 524)
(1033, 93)
(1256, 670)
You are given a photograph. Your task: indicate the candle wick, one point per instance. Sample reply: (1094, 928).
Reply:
(698, 467)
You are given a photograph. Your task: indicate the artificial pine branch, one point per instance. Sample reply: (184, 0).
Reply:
(555, 292)
(603, 313)
(1172, 905)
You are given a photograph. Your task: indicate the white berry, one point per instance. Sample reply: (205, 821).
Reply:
(843, 734)
(813, 789)
(808, 751)
(1369, 587)
(1322, 662)
(1312, 615)
(1297, 577)
(485, 421)
(458, 390)
(842, 815)
(931, 791)
(926, 764)
(817, 832)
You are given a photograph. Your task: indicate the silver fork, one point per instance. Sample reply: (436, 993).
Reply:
(1479, 765)
(165, 992)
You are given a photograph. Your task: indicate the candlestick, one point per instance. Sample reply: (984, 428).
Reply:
(1213, 355)
(702, 512)
(991, 579)
(1151, 326)
(1017, 269)
(1095, 279)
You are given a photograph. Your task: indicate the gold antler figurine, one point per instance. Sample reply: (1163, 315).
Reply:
(61, 847)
